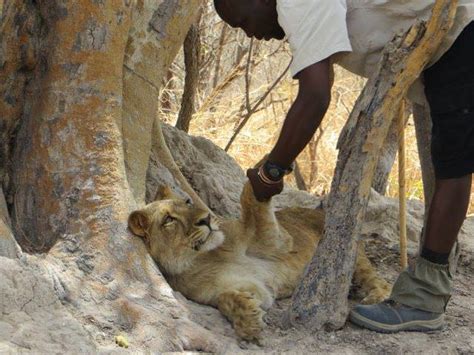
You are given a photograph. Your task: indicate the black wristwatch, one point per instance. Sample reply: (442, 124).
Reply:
(275, 172)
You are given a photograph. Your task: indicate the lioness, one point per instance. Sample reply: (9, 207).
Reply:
(239, 266)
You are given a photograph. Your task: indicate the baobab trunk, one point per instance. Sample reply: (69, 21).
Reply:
(79, 95)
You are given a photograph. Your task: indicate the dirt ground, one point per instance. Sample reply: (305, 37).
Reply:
(456, 338)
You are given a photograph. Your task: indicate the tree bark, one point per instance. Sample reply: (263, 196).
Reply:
(321, 298)
(422, 118)
(156, 36)
(386, 160)
(79, 90)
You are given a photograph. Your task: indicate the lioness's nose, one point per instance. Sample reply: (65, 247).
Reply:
(206, 221)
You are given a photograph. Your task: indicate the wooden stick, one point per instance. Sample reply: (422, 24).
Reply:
(402, 187)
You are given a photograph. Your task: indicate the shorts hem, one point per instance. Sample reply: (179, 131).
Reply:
(454, 172)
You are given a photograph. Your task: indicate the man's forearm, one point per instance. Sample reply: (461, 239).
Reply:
(302, 121)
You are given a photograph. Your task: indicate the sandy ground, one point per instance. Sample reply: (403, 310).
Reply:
(456, 338)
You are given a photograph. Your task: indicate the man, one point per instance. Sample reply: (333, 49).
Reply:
(353, 33)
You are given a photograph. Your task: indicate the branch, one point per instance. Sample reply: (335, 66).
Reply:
(255, 107)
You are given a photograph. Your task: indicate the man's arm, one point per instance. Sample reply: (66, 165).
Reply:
(302, 120)
(305, 115)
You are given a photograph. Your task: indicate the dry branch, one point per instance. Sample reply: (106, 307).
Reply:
(255, 108)
(321, 298)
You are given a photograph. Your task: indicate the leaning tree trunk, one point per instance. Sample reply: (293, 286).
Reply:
(79, 95)
(321, 298)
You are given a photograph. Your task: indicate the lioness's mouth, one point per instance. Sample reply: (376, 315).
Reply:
(200, 242)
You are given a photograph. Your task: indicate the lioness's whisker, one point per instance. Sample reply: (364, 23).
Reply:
(194, 234)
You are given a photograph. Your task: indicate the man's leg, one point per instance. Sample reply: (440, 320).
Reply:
(447, 212)
(420, 294)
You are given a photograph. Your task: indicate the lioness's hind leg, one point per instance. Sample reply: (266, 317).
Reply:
(375, 288)
(245, 313)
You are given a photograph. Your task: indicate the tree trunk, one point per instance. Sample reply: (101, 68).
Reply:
(321, 298)
(192, 49)
(422, 118)
(386, 160)
(299, 179)
(79, 87)
(157, 34)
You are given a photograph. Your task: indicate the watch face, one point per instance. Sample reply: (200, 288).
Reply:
(274, 173)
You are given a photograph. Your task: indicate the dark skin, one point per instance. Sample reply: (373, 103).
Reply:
(259, 19)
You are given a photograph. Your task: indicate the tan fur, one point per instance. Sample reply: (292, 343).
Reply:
(239, 266)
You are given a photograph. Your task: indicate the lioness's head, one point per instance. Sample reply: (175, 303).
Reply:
(175, 231)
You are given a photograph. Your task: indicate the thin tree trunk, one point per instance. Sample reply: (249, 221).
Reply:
(220, 48)
(422, 118)
(386, 160)
(321, 298)
(166, 95)
(192, 49)
(300, 183)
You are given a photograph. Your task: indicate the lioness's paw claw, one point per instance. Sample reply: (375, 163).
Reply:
(250, 326)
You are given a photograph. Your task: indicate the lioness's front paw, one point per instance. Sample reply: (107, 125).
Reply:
(249, 326)
(244, 310)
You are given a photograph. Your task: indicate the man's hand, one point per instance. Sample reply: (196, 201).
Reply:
(263, 192)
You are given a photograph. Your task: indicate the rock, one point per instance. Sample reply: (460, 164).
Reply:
(215, 176)
(382, 218)
(31, 315)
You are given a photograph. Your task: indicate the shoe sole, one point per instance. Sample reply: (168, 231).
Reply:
(416, 325)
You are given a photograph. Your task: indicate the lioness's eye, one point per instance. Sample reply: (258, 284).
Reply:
(168, 220)
(189, 202)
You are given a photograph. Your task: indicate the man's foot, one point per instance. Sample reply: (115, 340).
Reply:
(390, 316)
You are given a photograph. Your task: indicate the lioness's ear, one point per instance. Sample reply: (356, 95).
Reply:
(164, 193)
(138, 222)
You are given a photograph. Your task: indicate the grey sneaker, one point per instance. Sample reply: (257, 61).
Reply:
(390, 316)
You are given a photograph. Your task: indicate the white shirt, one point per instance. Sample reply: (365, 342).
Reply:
(317, 29)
